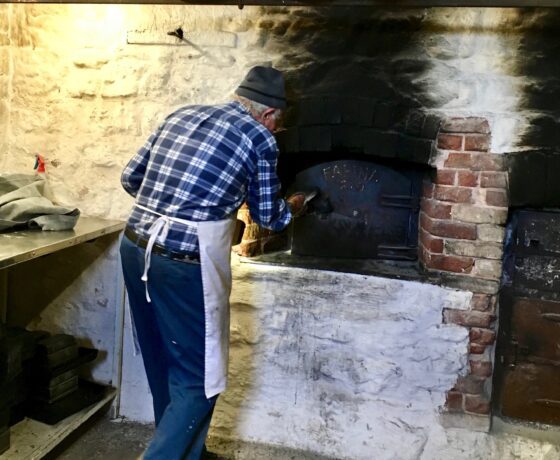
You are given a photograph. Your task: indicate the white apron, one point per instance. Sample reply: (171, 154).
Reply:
(214, 239)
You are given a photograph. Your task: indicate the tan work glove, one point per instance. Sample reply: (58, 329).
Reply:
(298, 202)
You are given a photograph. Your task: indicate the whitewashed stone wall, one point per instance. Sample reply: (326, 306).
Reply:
(86, 99)
(5, 71)
(341, 364)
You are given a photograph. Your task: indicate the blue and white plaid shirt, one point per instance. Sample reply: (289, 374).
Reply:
(201, 164)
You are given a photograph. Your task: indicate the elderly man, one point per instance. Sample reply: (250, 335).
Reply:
(189, 179)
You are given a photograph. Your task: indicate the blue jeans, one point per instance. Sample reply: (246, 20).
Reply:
(170, 333)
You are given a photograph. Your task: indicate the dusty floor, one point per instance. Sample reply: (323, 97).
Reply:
(104, 439)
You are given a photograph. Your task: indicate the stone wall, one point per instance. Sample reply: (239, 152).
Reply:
(5, 71)
(88, 83)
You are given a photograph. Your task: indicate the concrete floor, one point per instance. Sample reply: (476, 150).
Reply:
(104, 439)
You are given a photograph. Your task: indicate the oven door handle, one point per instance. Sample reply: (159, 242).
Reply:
(400, 201)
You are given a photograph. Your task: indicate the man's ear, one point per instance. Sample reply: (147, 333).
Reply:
(268, 113)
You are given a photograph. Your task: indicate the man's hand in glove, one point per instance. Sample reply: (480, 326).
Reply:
(298, 202)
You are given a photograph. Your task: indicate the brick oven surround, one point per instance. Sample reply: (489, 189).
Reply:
(462, 217)
(464, 201)
(464, 210)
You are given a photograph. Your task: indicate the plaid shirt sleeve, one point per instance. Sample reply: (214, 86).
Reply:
(267, 209)
(133, 174)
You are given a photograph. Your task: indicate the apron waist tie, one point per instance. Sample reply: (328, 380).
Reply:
(158, 229)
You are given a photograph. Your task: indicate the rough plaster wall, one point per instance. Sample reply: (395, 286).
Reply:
(341, 364)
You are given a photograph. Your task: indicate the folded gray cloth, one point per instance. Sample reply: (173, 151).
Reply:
(24, 202)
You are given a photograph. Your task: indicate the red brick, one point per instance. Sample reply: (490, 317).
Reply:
(496, 198)
(480, 302)
(447, 228)
(425, 222)
(477, 142)
(432, 244)
(467, 179)
(487, 162)
(450, 142)
(436, 209)
(477, 404)
(471, 384)
(482, 336)
(465, 125)
(451, 229)
(440, 262)
(444, 176)
(458, 160)
(481, 368)
(427, 189)
(454, 401)
(476, 349)
(451, 263)
(493, 179)
(453, 194)
(488, 305)
(468, 318)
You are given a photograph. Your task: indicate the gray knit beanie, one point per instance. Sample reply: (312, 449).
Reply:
(264, 85)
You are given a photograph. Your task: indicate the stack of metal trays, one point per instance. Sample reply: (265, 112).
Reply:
(17, 348)
(39, 377)
(55, 371)
(57, 391)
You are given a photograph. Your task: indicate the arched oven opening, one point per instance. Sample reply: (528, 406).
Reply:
(368, 160)
(364, 209)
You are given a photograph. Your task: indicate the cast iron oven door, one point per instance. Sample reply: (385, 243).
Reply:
(528, 377)
(374, 212)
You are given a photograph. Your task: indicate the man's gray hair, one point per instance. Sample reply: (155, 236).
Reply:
(256, 108)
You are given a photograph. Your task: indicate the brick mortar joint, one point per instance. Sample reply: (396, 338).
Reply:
(494, 189)
(450, 219)
(455, 275)
(451, 255)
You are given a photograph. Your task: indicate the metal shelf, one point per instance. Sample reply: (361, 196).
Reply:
(24, 245)
(32, 440)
